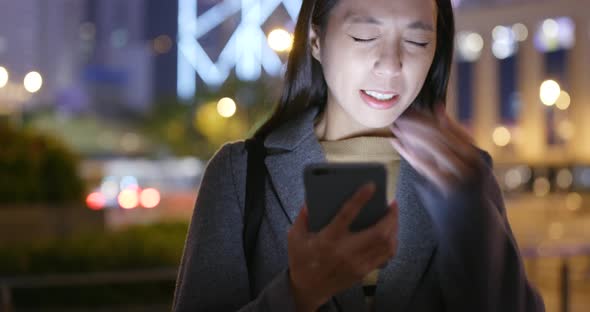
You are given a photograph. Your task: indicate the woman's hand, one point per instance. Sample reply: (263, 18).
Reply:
(334, 259)
(437, 147)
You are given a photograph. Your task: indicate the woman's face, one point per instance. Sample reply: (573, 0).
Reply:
(375, 56)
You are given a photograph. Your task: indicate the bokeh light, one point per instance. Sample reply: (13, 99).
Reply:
(573, 201)
(564, 178)
(550, 28)
(119, 38)
(3, 77)
(280, 40)
(504, 44)
(128, 199)
(563, 101)
(470, 45)
(501, 136)
(95, 201)
(549, 92)
(149, 198)
(501, 33)
(33, 82)
(110, 188)
(513, 179)
(226, 107)
(566, 129)
(162, 44)
(521, 32)
(525, 172)
(216, 128)
(554, 34)
(541, 186)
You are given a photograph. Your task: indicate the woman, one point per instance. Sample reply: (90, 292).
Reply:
(366, 81)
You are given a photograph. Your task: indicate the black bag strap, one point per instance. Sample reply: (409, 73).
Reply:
(254, 202)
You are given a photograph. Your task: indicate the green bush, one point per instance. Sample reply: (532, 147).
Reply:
(36, 168)
(135, 248)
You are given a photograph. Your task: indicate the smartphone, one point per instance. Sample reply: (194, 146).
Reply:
(329, 185)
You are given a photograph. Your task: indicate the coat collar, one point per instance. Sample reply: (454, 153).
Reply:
(296, 131)
(292, 147)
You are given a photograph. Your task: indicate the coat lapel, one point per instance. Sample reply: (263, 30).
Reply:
(417, 243)
(290, 148)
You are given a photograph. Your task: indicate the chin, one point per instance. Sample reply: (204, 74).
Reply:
(377, 122)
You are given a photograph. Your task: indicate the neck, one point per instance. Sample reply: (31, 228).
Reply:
(335, 124)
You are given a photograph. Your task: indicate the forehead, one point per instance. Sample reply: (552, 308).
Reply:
(384, 11)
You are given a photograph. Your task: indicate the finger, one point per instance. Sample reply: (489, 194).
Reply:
(460, 158)
(351, 208)
(414, 115)
(433, 153)
(300, 226)
(380, 253)
(415, 151)
(377, 236)
(424, 129)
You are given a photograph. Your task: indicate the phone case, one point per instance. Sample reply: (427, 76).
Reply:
(329, 185)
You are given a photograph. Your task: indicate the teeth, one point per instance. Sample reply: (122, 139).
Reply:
(380, 96)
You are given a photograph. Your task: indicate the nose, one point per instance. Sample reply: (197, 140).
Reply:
(389, 62)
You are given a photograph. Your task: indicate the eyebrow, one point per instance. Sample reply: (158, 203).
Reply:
(352, 18)
(421, 25)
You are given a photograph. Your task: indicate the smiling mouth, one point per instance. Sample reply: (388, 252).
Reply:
(380, 96)
(378, 100)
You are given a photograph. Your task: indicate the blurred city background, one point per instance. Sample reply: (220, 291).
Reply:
(110, 109)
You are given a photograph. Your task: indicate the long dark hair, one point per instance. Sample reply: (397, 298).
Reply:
(304, 82)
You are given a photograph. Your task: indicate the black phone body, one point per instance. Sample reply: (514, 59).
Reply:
(329, 185)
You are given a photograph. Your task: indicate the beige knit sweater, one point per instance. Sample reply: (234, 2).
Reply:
(367, 149)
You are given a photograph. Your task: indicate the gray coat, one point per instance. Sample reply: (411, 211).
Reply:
(455, 253)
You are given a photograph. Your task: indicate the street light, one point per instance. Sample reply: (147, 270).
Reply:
(3, 77)
(33, 82)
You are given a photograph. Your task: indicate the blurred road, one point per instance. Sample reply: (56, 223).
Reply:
(549, 222)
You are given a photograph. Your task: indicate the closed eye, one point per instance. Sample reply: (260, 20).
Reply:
(361, 40)
(420, 44)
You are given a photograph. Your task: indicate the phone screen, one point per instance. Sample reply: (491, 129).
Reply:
(328, 186)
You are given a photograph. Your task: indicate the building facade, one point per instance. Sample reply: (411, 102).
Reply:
(536, 133)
